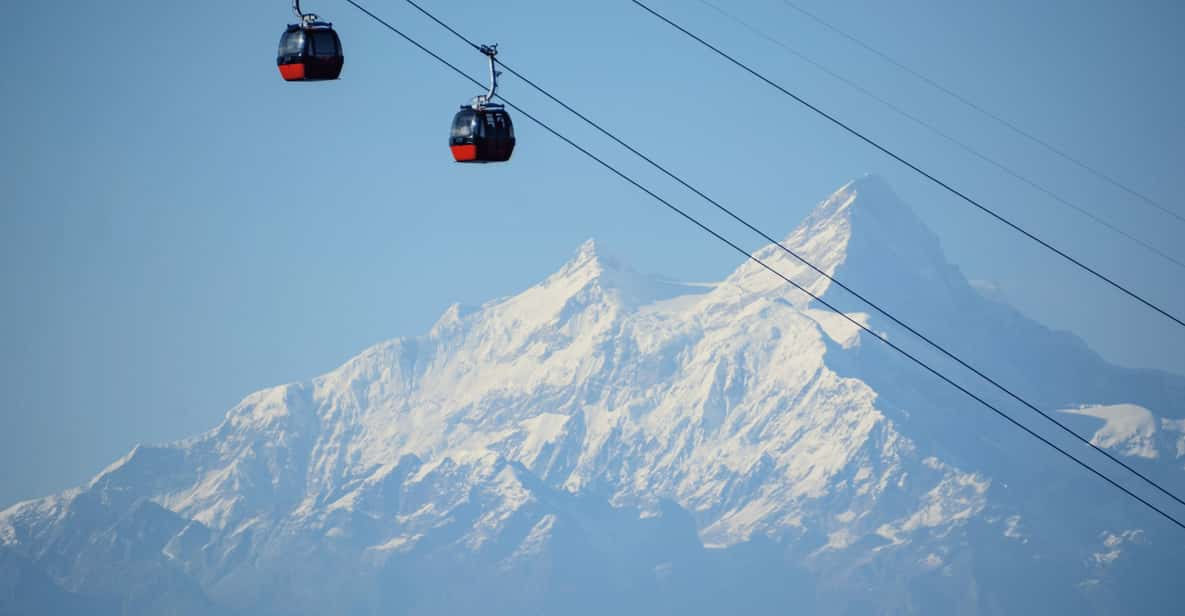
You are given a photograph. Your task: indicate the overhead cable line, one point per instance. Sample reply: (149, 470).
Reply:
(943, 134)
(732, 214)
(979, 108)
(750, 256)
(919, 170)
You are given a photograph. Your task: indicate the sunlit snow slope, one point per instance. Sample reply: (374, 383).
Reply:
(611, 440)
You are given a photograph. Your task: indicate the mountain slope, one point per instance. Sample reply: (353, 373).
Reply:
(609, 440)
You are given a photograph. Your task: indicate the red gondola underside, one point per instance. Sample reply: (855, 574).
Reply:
(292, 72)
(464, 153)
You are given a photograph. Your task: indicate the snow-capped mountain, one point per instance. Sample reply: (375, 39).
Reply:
(611, 440)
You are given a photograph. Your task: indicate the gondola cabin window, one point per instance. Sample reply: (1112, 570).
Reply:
(324, 44)
(293, 43)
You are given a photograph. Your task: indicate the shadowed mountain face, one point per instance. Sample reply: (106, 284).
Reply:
(606, 440)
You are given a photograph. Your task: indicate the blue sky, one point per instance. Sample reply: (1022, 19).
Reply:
(180, 227)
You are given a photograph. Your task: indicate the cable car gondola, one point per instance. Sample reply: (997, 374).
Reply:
(309, 50)
(482, 131)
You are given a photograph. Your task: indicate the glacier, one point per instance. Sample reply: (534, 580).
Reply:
(608, 439)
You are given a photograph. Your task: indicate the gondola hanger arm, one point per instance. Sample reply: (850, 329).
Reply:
(490, 52)
(305, 18)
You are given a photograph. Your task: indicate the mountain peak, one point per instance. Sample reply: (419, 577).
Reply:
(861, 231)
(590, 279)
(887, 249)
(590, 258)
(871, 186)
(587, 249)
(869, 204)
(592, 265)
